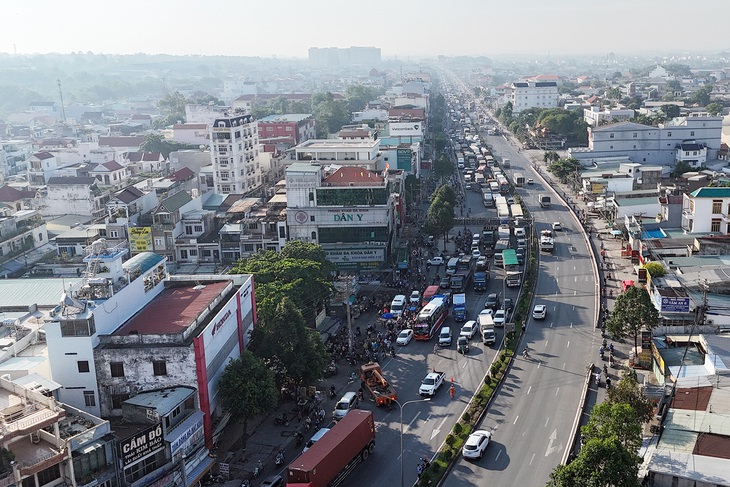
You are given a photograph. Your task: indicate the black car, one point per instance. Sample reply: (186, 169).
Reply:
(492, 301)
(508, 305)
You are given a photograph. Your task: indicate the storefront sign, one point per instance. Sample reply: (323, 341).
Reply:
(675, 305)
(189, 436)
(142, 444)
(355, 255)
(301, 217)
(406, 128)
(344, 217)
(140, 239)
(404, 158)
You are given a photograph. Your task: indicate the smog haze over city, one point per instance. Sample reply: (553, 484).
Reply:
(407, 28)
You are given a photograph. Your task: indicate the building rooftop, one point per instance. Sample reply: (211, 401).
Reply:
(173, 310)
(304, 167)
(337, 143)
(288, 117)
(45, 293)
(353, 176)
(163, 400)
(707, 192)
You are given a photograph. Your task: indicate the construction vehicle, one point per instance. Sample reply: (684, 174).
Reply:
(372, 379)
(336, 454)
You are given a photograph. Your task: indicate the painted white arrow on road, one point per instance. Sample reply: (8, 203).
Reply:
(437, 430)
(551, 448)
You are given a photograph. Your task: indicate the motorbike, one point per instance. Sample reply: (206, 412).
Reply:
(598, 379)
(330, 370)
(608, 383)
(333, 392)
(299, 438)
(280, 458)
(281, 419)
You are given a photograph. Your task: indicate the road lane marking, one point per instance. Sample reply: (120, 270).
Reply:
(547, 420)
(576, 278)
(551, 448)
(531, 459)
(515, 421)
(563, 365)
(546, 343)
(436, 431)
(539, 364)
(465, 362)
(498, 454)
(557, 390)
(412, 421)
(529, 389)
(568, 345)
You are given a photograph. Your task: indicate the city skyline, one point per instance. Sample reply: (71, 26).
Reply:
(424, 28)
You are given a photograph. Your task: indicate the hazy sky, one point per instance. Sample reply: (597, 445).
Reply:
(286, 28)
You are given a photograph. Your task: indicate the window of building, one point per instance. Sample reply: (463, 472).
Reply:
(83, 366)
(692, 133)
(78, 328)
(40, 237)
(314, 236)
(636, 135)
(198, 228)
(117, 369)
(183, 254)
(113, 234)
(159, 367)
(716, 207)
(282, 232)
(311, 218)
(193, 252)
(46, 476)
(669, 134)
(248, 247)
(611, 136)
(158, 242)
(89, 399)
(715, 225)
(118, 399)
(188, 230)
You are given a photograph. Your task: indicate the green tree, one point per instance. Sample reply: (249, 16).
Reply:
(633, 311)
(564, 168)
(680, 168)
(443, 167)
(614, 420)
(613, 93)
(446, 193)
(440, 217)
(655, 269)
(670, 110)
(155, 142)
(440, 142)
(701, 97)
(359, 95)
(247, 388)
(627, 391)
(297, 249)
(714, 108)
(551, 156)
(172, 107)
(329, 113)
(287, 346)
(601, 463)
(674, 85)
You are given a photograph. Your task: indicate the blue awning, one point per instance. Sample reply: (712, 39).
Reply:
(199, 471)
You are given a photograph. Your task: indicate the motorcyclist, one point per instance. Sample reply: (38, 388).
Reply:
(333, 391)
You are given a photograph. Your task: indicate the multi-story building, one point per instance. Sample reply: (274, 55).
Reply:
(73, 195)
(234, 154)
(127, 327)
(707, 210)
(297, 126)
(51, 443)
(533, 94)
(21, 232)
(651, 145)
(351, 152)
(594, 116)
(252, 226)
(352, 212)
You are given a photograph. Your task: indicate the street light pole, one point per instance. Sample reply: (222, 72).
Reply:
(401, 406)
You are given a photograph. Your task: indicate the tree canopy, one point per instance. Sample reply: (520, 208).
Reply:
(655, 269)
(563, 168)
(154, 142)
(247, 388)
(633, 311)
(602, 462)
(443, 167)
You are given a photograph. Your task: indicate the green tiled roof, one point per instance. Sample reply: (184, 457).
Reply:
(708, 192)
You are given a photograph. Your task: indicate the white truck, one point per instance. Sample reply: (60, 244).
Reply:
(545, 200)
(486, 327)
(431, 383)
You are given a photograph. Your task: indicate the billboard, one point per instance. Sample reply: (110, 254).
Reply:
(142, 444)
(355, 255)
(412, 129)
(140, 239)
(674, 304)
(404, 158)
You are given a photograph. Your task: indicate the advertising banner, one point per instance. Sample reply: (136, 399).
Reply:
(142, 444)
(140, 239)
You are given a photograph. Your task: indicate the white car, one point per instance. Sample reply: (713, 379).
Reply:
(530, 181)
(435, 260)
(539, 312)
(557, 226)
(415, 297)
(487, 311)
(476, 444)
(499, 317)
(404, 337)
(521, 243)
(468, 330)
(476, 253)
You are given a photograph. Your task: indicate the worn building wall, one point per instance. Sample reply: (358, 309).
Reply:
(139, 374)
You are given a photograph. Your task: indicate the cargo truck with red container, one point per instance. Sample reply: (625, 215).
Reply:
(336, 454)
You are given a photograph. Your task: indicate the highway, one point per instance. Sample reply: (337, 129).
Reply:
(533, 414)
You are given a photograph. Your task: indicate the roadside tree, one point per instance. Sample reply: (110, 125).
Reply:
(633, 311)
(443, 167)
(627, 391)
(247, 388)
(601, 463)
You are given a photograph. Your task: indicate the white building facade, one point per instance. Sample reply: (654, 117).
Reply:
(234, 154)
(529, 94)
(706, 211)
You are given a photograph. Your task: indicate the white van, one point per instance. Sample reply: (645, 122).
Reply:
(445, 336)
(344, 405)
(398, 305)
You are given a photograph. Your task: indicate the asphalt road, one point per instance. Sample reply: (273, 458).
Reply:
(533, 415)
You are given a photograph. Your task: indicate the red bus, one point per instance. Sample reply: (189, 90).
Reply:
(428, 294)
(430, 319)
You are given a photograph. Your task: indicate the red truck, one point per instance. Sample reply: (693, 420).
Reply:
(336, 454)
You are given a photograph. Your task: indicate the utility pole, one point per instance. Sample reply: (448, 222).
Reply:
(348, 294)
(60, 92)
(702, 310)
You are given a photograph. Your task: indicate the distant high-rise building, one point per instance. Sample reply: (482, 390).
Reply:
(234, 154)
(328, 57)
